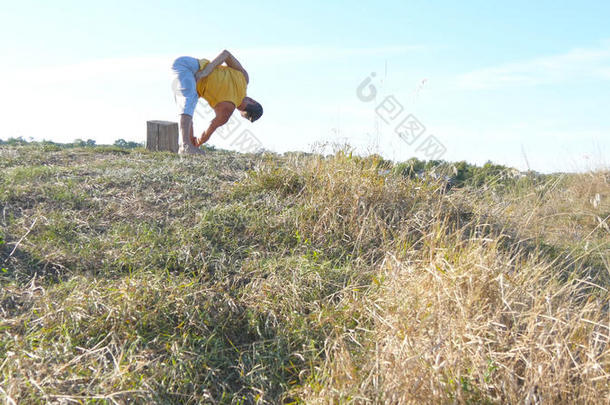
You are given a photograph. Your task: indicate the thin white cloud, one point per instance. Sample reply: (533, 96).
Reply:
(112, 97)
(160, 64)
(577, 64)
(300, 53)
(604, 73)
(86, 70)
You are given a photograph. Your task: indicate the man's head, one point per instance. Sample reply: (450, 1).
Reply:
(251, 109)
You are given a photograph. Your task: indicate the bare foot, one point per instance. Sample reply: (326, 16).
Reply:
(190, 150)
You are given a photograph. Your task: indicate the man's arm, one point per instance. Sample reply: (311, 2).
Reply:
(232, 62)
(223, 112)
(224, 57)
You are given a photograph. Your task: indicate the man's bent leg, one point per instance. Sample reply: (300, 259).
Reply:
(186, 99)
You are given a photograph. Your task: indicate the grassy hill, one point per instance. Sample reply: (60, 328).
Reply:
(136, 277)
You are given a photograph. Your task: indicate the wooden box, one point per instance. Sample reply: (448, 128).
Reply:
(162, 136)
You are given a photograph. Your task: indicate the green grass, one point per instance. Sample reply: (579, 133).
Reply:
(130, 276)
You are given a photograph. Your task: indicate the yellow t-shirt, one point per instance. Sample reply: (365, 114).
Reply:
(223, 84)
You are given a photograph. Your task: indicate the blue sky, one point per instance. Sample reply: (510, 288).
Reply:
(520, 83)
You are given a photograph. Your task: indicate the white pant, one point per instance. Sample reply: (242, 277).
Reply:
(184, 84)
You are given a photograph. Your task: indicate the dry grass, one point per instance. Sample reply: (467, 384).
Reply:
(135, 277)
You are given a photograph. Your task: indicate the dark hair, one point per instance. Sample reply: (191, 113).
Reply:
(254, 110)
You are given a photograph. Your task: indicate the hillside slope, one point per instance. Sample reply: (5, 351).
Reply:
(141, 277)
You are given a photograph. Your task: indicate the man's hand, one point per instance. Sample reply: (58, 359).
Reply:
(205, 72)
